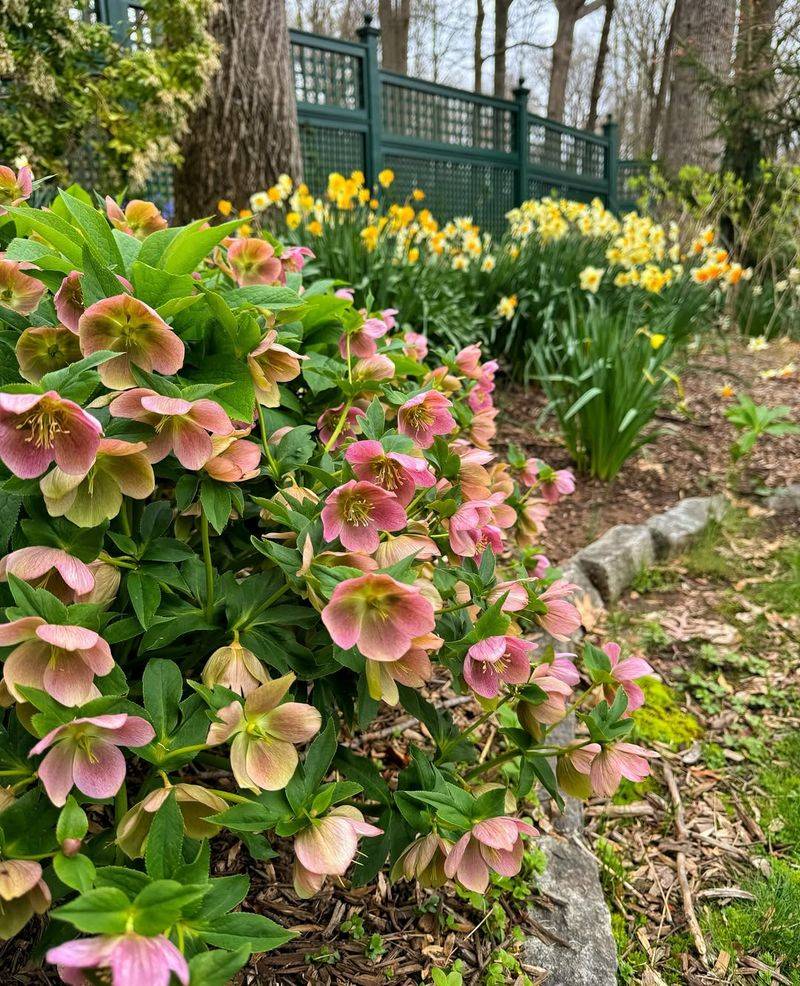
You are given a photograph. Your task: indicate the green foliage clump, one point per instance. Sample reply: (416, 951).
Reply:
(118, 97)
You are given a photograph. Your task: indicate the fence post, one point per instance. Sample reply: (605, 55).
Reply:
(368, 36)
(521, 98)
(611, 133)
(115, 14)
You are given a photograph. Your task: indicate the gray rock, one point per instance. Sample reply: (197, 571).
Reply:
(582, 920)
(785, 500)
(570, 820)
(613, 561)
(675, 529)
(573, 572)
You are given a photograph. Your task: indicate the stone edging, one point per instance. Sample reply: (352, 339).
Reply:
(579, 949)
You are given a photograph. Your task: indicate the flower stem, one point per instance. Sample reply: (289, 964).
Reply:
(339, 425)
(204, 536)
(120, 807)
(262, 425)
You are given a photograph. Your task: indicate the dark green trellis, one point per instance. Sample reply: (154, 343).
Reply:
(472, 154)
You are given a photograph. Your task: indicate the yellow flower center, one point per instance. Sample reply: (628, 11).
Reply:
(43, 423)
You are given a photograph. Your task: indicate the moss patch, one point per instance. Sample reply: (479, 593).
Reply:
(662, 719)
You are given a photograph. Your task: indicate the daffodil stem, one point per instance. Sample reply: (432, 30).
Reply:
(204, 536)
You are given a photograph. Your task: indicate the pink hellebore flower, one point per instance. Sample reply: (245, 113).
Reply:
(139, 219)
(396, 472)
(424, 417)
(469, 361)
(234, 460)
(68, 301)
(495, 844)
(562, 619)
(36, 429)
(609, 765)
(23, 893)
(482, 428)
(412, 670)
(133, 960)
(388, 318)
(85, 754)
(293, 259)
(361, 341)
(327, 847)
(532, 521)
(379, 615)
(479, 400)
(329, 419)
(235, 667)
(626, 673)
(125, 325)
(253, 261)
(49, 568)
(14, 188)
(553, 709)
(479, 524)
(541, 566)
(120, 469)
(43, 348)
(496, 661)
(263, 735)
(516, 596)
(270, 363)
(377, 367)
(415, 346)
(552, 484)
(357, 511)
(181, 426)
(60, 660)
(19, 291)
(346, 293)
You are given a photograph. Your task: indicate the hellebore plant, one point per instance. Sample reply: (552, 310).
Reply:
(241, 518)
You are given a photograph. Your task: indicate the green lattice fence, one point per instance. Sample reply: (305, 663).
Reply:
(472, 154)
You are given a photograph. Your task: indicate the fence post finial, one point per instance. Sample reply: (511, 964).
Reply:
(521, 143)
(371, 89)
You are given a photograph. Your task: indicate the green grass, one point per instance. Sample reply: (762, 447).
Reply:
(768, 926)
(780, 805)
(782, 594)
(656, 579)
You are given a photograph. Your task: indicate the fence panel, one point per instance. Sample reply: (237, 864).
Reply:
(471, 154)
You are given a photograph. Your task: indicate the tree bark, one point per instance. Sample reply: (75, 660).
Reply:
(703, 47)
(501, 8)
(245, 134)
(480, 17)
(657, 111)
(600, 66)
(395, 17)
(569, 13)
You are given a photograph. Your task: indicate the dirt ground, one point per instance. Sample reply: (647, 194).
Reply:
(689, 457)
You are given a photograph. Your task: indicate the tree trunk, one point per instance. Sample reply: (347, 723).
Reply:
(703, 48)
(501, 8)
(569, 13)
(395, 17)
(657, 111)
(480, 16)
(600, 66)
(245, 134)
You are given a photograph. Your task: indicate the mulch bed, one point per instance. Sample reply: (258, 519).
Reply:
(693, 840)
(689, 457)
